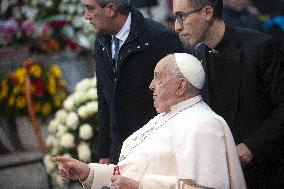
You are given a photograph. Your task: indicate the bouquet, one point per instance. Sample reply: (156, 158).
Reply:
(73, 131)
(46, 87)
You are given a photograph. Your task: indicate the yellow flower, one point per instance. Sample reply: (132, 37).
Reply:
(55, 70)
(4, 89)
(51, 85)
(57, 102)
(36, 70)
(37, 107)
(46, 109)
(17, 89)
(11, 101)
(20, 74)
(21, 102)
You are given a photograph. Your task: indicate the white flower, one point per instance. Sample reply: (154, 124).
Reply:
(61, 115)
(51, 141)
(83, 85)
(94, 82)
(61, 129)
(68, 104)
(62, 7)
(71, 9)
(77, 21)
(55, 150)
(84, 152)
(92, 94)
(49, 165)
(92, 107)
(83, 112)
(80, 9)
(48, 3)
(72, 120)
(52, 126)
(67, 141)
(65, 1)
(85, 132)
(79, 97)
(83, 41)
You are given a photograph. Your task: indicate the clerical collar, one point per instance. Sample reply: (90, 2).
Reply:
(186, 103)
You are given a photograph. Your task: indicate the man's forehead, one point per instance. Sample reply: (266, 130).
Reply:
(164, 63)
(89, 2)
(180, 6)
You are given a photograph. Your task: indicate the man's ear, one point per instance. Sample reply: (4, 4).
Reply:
(112, 8)
(181, 87)
(208, 13)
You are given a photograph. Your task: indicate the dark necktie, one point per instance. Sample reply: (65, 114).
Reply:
(116, 52)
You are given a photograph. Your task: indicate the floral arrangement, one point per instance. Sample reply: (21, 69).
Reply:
(73, 131)
(82, 31)
(47, 90)
(46, 26)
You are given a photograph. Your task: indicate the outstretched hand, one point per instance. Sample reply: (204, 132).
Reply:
(120, 182)
(70, 168)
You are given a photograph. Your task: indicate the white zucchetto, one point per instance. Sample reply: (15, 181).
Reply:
(191, 68)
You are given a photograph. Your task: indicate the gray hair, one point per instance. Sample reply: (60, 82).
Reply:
(123, 6)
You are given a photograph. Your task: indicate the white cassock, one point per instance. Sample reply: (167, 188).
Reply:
(189, 147)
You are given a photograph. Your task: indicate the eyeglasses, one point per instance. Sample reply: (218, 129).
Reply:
(89, 8)
(180, 16)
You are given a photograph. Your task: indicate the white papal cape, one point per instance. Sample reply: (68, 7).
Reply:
(189, 147)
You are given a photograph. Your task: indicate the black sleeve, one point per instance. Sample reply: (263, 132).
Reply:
(271, 71)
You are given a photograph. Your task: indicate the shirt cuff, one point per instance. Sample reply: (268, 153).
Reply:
(88, 182)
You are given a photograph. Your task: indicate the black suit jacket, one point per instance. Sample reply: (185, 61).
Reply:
(125, 100)
(252, 97)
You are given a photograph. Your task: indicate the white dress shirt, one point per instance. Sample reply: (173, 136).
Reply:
(122, 34)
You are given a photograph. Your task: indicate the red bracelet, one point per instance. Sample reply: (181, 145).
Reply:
(116, 170)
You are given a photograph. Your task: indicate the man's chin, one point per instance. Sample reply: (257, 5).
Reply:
(187, 42)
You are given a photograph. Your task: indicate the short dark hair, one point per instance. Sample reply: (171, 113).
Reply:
(216, 4)
(123, 6)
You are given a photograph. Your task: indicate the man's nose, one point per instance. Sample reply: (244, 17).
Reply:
(151, 86)
(87, 16)
(178, 26)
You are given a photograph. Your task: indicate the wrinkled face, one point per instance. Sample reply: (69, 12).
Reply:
(99, 17)
(164, 86)
(193, 26)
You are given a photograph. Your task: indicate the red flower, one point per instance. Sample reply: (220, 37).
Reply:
(13, 79)
(72, 45)
(39, 87)
(57, 23)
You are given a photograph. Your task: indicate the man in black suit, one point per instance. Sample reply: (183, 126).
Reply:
(127, 49)
(244, 84)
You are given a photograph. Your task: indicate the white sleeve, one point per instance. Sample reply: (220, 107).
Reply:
(99, 176)
(166, 182)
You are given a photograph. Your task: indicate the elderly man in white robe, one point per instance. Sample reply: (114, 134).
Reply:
(186, 146)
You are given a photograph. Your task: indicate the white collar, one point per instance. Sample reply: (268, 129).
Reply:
(124, 32)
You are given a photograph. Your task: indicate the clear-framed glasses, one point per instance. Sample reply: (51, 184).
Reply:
(180, 16)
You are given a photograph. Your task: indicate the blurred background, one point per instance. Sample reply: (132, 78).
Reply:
(48, 101)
